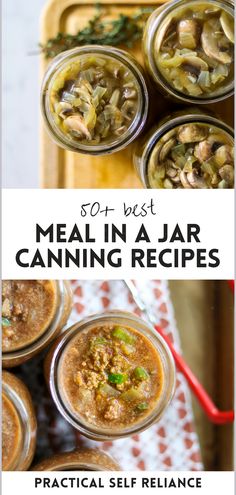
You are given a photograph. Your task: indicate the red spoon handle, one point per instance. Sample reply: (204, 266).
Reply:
(231, 284)
(216, 416)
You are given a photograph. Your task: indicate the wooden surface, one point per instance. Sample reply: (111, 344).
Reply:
(204, 312)
(64, 169)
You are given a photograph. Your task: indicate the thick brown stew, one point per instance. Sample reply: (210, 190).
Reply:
(28, 308)
(110, 376)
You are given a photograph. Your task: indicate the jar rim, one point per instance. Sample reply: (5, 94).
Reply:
(153, 25)
(42, 340)
(78, 460)
(141, 114)
(27, 418)
(141, 326)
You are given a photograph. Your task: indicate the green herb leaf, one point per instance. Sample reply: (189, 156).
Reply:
(123, 30)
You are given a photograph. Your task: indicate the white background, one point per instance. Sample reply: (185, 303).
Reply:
(216, 483)
(213, 210)
(21, 92)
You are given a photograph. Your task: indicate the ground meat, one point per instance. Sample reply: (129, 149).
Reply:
(113, 410)
(119, 363)
(100, 357)
(203, 151)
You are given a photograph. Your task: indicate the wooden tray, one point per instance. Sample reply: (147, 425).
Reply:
(64, 169)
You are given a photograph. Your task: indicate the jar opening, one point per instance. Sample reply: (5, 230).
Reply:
(167, 153)
(186, 58)
(113, 429)
(92, 108)
(56, 314)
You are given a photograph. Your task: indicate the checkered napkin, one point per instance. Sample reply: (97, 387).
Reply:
(172, 443)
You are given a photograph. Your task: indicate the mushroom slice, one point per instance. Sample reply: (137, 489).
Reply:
(184, 181)
(192, 133)
(176, 179)
(188, 33)
(196, 181)
(194, 64)
(166, 149)
(75, 123)
(224, 154)
(227, 25)
(210, 45)
(227, 173)
(171, 171)
(203, 150)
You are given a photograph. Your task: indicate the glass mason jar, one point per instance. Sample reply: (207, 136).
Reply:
(191, 89)
(19, 425)
(16, 353)
(79, 460)
(56, 125)
(148, 147)
(55, 379)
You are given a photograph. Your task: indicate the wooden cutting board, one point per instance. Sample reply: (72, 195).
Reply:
(64, 169)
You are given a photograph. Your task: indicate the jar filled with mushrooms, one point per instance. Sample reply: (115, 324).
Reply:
(189, 49)
(188, 150)
(94, 99)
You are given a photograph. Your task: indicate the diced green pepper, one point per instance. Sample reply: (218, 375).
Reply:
(140, 373)
(6, 322)
(121, 333)
(142, 406)
(117, 378)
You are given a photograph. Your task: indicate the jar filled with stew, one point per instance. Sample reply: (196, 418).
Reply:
(187, 150)
(79, 460)
(189, 49)
(94, 99)
(33, 313)
(111, 375)
(18, 424)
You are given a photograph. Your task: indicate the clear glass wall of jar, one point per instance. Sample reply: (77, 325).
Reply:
(160, 22)
(148, 148)
(15, 353)
(79, 460)
(18, 424)
(55, 376)
(134, 121)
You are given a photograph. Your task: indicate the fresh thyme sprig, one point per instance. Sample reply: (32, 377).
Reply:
(124, 30)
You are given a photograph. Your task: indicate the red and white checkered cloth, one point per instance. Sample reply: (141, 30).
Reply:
(171, 444)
